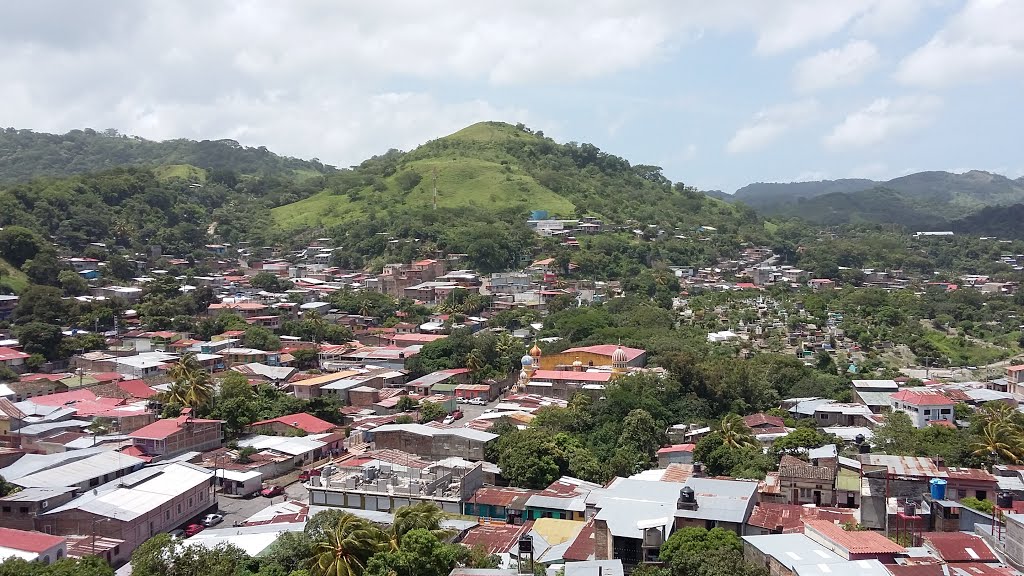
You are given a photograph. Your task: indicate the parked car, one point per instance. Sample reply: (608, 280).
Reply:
(271, 491)
(462, 400)
(193, 529)
(307, 474)
(448, 419)
(457, 414)
(477, 401)
(212, 519)
(178, 533)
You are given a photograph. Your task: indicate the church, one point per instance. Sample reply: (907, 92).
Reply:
(585, 369)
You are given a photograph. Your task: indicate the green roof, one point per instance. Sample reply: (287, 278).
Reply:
(79, 382)
(443, 387)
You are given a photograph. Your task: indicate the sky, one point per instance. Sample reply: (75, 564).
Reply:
(720, 94)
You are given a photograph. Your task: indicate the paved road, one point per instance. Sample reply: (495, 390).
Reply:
(240, 509)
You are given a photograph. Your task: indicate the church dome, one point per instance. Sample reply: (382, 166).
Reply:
(535, 351)
(619, 356)
(526, 361)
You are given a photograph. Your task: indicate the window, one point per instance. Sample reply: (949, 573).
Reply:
(23, 510)
(94, 482)
(6, 509)
(823, 416)
(946, 411)
(167, 515)
(979, 494)
(189, 502)
(927, 412)
(179, 507)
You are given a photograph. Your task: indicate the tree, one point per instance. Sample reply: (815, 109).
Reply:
(305, 358)
(421, 553)
(72, 283)
(43, 268)
(19, 245)
(163, 555)
(431, 411)
(269, 282)
(7, 488)
(40, 304)
(800, 438)
(120, 268)
(40, 338)
(345, 547)
(896, 435)
(475, 364)
(260, 338)
(420, 516)
(191, 383)
(405, 404)
(735, 433)
(88, 566)
(702, 552)
(641, 434)
(528, 459)
(997, 443)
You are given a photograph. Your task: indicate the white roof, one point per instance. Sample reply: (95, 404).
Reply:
(78, 471)
(424, 430)
(8, 553)
(43, 427)
(291, 445)
(630, 505)
(32, 463)
(136, 494)
(252, 539)
(237, 475)
(875, 384)
(5, 390)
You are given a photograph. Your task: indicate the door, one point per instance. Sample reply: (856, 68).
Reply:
(796, 496)
(817, 497)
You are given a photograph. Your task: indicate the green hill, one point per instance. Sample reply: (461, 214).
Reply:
(25, 155)
(497, 167)
(11, 279)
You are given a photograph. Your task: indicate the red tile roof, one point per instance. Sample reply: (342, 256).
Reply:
(28, 541)
(137, 389)
(854, 542)
(761, 419)
(929, 569)
(788, 518)
(607, 350)
(959, 547)
(62, 398)
(306, 422)
(8, 354)
(50, 377)
(106, 376)
(922, 398)
(161, 429)
(677, 448)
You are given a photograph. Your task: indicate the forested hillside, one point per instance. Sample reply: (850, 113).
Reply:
(25, 154)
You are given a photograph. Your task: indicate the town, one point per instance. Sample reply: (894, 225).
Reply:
(299, 388)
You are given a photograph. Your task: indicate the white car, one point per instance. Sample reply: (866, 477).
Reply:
(477, 402)
(448, 419)
(212, 520)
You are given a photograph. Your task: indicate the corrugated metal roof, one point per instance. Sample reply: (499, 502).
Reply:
(722, 500)
(793, 549)
(73, 473)
(423, 430)
(32, 463)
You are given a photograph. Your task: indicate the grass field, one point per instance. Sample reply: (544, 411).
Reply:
(11, 277)
(460, 182)
(181, 171)
(971, 354)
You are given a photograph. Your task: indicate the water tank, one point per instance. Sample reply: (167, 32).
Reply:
(525, 544)
(864, 448)
(858, 439)
(687, 495)
(909, 508)
(938, 488)
(1004, 500)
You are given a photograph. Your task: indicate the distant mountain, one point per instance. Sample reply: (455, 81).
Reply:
(1001, 221)
(913, 200)
(25, 154)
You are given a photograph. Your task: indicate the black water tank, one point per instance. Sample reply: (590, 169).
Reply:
(687, 495)
(865, 448)
(1004, 500)
(525, 544)
(858, 439)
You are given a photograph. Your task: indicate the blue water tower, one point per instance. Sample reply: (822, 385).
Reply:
(938, 487)
(539, 215)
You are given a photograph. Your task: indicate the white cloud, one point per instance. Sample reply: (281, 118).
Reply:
(983, 40)
(883, 119)
(843, 66)
(771, 123)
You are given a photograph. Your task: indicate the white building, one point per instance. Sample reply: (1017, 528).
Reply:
(923, 407)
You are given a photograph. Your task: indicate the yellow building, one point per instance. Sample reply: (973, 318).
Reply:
(590, 356)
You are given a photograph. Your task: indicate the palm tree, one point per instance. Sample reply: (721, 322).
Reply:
(101, 425)
(192, 384)
(420, 515)
(345, 548)
(735, 433)
(996, 442)
(475, 364)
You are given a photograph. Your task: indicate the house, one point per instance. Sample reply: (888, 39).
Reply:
(82, 474)
(924, 407)
(499, 503)
(852, 545)
(713, 503)
(20, 509)
(804, 483)
(675, 454)
(433, 443)
(11, 358)
(633, 519)
(773, 518)
(8, 302)
(1015, 379)
(785, 554)
(243, 309)
(440, 382)
(292, 424)
(958, 547)
(135, 507)
(565, 498)
(170, 436)
(31, 546)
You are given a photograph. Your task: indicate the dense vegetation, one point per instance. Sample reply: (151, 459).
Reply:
(26, 155)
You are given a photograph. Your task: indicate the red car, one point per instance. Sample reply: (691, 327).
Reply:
(457, 414)
(193, 529)
(271, 491)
